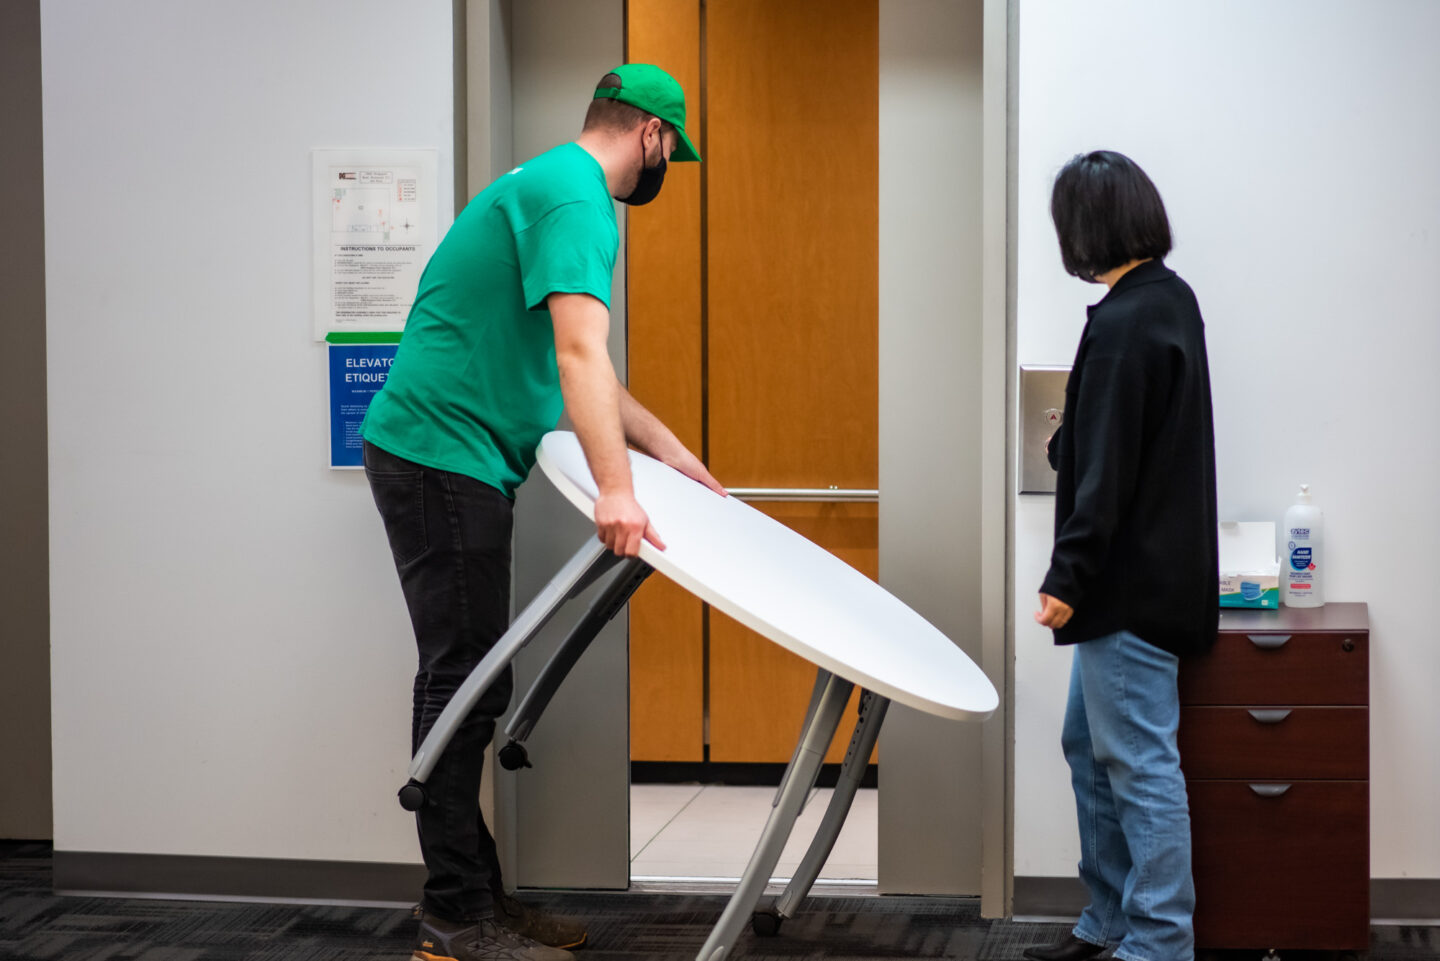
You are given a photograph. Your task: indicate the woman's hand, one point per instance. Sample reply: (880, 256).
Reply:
(1054, 613)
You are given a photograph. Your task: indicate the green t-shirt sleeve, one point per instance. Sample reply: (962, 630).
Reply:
(570, 250)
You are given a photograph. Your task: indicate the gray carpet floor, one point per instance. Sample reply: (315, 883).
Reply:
(36, 925)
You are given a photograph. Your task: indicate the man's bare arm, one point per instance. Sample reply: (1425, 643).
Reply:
(593, 401)
(644, 430)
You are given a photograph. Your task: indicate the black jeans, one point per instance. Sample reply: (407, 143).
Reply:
(450, 536)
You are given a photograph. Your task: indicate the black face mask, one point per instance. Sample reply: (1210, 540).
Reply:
(651, 179)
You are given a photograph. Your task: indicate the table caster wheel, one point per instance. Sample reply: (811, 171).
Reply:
(513, 757)
(412, 796)
(766, 923)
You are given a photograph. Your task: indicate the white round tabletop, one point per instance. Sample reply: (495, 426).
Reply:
(787, 588)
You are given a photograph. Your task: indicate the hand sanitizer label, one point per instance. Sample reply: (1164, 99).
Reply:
(1301, 561)
(1303, 586)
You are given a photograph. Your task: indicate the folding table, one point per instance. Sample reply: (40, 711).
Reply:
(772, 580)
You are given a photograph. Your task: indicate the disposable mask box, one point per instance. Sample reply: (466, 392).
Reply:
(1249, 569)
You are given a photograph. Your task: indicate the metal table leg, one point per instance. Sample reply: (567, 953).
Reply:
(857, 758)
(630, 574)
(820, 726)
(590, 562)
(827, 705)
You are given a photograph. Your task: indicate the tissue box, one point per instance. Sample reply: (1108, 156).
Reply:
(1249, 569)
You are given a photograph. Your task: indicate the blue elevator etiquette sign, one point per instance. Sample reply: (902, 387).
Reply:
(357, 372)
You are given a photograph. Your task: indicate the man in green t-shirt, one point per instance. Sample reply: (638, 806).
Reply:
(508, 328)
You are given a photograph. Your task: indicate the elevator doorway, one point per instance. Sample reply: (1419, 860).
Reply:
(752, 291)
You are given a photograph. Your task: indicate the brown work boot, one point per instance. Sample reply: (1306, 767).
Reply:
(483, 940)
(539, 925)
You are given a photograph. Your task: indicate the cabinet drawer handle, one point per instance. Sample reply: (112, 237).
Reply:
(1269, 790)
(1270, 717)
(1268, 642)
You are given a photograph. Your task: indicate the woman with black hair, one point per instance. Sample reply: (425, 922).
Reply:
(1132, 579)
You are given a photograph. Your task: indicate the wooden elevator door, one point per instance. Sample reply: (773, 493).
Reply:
(753, 288)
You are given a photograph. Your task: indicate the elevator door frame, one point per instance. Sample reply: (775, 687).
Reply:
(512, 78)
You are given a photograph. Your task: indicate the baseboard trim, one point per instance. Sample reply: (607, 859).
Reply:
(1391, 899)
(222, 878)
(1037, 897)
(1405, 899)
(278, 879)
(734, 773)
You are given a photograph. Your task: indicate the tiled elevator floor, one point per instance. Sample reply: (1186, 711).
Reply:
(710, 831)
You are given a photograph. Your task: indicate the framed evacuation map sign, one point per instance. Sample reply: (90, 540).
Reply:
(376, 225)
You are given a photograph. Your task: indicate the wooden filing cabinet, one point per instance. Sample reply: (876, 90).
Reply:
(1274, 744)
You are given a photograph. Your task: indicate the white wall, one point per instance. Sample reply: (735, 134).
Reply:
(1295, 145)
(231, 657)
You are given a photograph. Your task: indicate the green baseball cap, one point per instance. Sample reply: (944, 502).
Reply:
(652, 90)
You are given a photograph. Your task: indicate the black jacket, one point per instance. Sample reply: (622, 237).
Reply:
(1135, 525)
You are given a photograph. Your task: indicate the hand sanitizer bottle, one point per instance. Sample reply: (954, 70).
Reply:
(1300, 571)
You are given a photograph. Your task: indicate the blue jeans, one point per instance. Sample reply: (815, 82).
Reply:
(1119, 739)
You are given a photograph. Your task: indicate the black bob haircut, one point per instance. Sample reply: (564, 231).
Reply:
(1107, 213)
